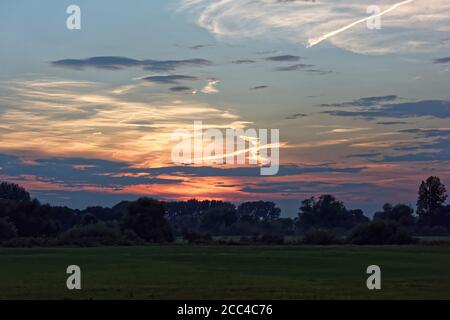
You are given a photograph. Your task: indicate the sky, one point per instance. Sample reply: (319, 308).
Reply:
(86, 116)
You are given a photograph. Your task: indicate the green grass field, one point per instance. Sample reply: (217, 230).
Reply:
(231, 272)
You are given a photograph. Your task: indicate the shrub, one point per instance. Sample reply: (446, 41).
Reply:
(93, 235)
(272, 239)
(267, 239)
(320, 237)
(197, 238)
(30, 242)
(7, 229)
(379, 233)
(433, 231)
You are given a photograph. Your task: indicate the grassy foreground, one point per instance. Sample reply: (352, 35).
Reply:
(219, 272)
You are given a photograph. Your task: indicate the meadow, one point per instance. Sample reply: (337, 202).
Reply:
(227, 272)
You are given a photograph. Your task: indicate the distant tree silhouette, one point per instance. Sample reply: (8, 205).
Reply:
(326, 212)
(146, 217)
(7, 229)
(258, 211)
(379, 233)
(30, 218)
(400, 213)
(11, 191)
(189, 214)
(88, 219)
(217, 219)
(104, 214)
(431, 199)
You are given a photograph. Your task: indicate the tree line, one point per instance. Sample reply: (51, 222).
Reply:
(320, 220)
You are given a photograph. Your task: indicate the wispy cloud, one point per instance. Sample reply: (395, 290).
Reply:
(90, 121)
(314, 41)
(411, 25)
(211, 87)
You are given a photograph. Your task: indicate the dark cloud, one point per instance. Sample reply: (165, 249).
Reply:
(259, 87)
(442, 60)
(296, 116)
(140, 122)
(425, 108)
(440, 152)
(95, 171)
(365, 155)
(284, 58)
(392, 123)
(303, 67)
(243, 61)
(181, 89)
(169, 79)
(428, 132)
(267, 52)
(289, 1)
(285, 170)
(77, 172)
(363, 102)
(298, 187)
(120, 63)
(295, 67)
(200, 46)
(438, 149)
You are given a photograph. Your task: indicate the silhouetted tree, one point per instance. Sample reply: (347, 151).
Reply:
(189, 214)
(7, 229)
(30, 218)
(146, 218)
(216, 219)
(104, 214)
(328, 213)
(320, 237)
(432, 196)
(88, 219)
(258, 211)
(11, 191)
(400, 213)
(378, 233)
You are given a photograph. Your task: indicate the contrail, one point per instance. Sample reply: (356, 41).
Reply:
(314, 41)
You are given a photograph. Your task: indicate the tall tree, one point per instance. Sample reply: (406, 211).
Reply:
(146, 217)
(12, 191)
(327, 212)
(259, 211)
(400, 213)
(432, 196)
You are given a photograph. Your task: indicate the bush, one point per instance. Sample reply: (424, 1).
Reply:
(7, 229)
(432, 231)
(264, 239)
(320, 237)
(379, 233)
(30, 242)
(272, 239)
(197, 238)
(93, 235)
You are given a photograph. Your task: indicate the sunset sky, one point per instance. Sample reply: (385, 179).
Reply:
(86, 115)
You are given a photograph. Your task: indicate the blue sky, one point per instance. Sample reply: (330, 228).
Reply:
(363, 114)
